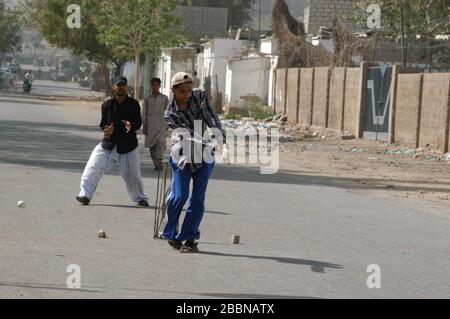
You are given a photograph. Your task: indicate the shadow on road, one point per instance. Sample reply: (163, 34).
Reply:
(153, 207)
(253, 296)
(121, 206)
(42, 286)
(316, 266)
(123, 289)
(46, 145)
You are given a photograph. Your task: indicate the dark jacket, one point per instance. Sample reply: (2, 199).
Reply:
(113, 112)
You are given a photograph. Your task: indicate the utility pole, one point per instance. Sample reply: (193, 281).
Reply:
(201, 19)
(402, 23)
(431, 57)
(259, 21)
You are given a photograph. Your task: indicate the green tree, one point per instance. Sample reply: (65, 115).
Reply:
(423, 19)
(238, 10)
(9, 31)
(138, 27)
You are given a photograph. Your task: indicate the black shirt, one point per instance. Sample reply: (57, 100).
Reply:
(115, 112)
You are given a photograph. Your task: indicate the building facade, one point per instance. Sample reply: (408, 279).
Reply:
(212, 66)
(203, 21)
(321, 12)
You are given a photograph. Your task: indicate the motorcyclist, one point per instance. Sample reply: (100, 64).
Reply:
(28, 77)
(27, 81)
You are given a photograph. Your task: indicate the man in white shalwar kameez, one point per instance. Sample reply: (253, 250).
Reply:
(154, 124)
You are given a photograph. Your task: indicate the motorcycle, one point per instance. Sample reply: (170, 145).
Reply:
(26, 86)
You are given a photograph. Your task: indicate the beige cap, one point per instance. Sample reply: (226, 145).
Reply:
(181, 78)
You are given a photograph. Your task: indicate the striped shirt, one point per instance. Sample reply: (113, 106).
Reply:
(198, 109)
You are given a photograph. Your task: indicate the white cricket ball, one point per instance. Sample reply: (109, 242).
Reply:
(21, 204)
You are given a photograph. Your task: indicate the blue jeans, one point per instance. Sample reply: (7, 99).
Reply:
(179, 194)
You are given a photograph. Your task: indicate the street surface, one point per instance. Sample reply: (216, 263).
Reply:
(301, 237)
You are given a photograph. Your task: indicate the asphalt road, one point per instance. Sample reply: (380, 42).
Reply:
(301, 237)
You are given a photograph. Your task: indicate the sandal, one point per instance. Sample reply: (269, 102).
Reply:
(189, 247)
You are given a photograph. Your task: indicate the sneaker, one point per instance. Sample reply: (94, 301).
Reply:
(175, 244)
(83, 200)
(190, 246)
(144, 203)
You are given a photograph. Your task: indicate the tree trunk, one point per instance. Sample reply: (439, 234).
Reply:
(105, 77)
(137, 85)
(119, 66)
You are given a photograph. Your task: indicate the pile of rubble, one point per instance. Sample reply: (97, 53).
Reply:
(288, 132)
(422, 153)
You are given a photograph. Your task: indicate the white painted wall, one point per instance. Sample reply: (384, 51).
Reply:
(200, 68)
(168, 66)
(215, 52)
(269, 46)
(247, 77)
(164, 72)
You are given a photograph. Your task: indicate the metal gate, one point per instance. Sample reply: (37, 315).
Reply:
(378, 100)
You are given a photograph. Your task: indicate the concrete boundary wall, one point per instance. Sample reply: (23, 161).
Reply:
(408, 109)
(281, 90)
(434, 119)
(306, 96)
(352, 101)
(337, 99)
(334, 98)
(292, 99)
(321, 97)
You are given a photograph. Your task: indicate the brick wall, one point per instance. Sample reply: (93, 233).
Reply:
(332, 98)
(281, 87)
(337, 95)
(197, 19)
(434, 122)
(408, 108)
(293, 87)
(321, 12)
(306, 96)
(352, 100)
(321, 96)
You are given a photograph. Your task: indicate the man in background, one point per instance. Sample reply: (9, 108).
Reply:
(195, 81)
(154, 123)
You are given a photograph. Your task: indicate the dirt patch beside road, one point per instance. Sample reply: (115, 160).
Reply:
(329, 157)
(370, 166)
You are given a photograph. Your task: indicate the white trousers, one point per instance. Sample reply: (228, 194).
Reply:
(102, 160)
